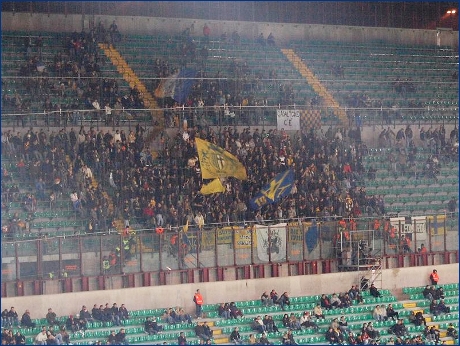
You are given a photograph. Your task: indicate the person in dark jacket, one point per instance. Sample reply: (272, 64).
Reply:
(374, 291)
(235, 336)
(26, 321)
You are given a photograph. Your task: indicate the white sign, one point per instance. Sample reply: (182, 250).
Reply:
(288, 119)
(271, 240)
(409, 223)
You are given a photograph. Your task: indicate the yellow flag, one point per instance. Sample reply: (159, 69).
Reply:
(216, 162)
(214, 186)
(185, 227)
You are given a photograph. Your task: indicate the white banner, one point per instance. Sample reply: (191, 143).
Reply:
(288, 119)
(271, 239)
(408, 223)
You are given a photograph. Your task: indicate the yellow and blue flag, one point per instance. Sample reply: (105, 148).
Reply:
(278, 187)
(216, 162)
(177, 86)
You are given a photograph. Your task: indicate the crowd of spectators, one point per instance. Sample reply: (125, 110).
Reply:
(328, 174)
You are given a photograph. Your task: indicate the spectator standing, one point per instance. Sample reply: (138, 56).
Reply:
(434, 277)
(198, 300)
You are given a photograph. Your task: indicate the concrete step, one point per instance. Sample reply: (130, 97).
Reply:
(449, 340)
(221, 339)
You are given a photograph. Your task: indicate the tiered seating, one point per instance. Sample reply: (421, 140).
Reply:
(417, 302)
(356, 315)
(141, 51)
(60, 220)
(13, 56)
(372, 69)
(406, 193)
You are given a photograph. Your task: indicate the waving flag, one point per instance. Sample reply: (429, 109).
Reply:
(177, 86)
(214, 186)
(215, 162)
(277, 188)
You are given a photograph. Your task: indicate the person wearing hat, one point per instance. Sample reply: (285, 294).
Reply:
(434, 277)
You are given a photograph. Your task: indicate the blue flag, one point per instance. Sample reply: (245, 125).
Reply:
(278, 187)
(177, 86)
(311, 238)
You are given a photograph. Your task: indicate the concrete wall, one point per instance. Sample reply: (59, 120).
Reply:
(216, 292)
(282, 32)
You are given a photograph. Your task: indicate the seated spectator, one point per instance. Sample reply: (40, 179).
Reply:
(167, 316)
(72, 324)
(331, 336)
(5, 321)
(318, 312)
(120, 337)
(343, 325)
(151, 326)
(434, 334)
(182, 316)
(26, 321)
(294, 323)
(288, 338)
(41, 338)
(399, 329)
(351, 339)
(264, 340)
(306, 321)
(285, 321)
(111, 339)
(269, 324)
(418, 319)
(234, 311)
(428, 292)
(85, 315)
(345, 300)
(207, 330)
(182, 340)
(372, 332)
(271, 39)
(258, 325)
(65, 336)
(51, 318)
(283, 300)
(451, 331)
(235, 336)
(379, 313)
(274, 296)
(438, 293)
(442, 307)
(363, 338)
(19, 339)
(224, 311)
(374, 291)
(391, 313)
(325, 302)
(123, 312)
(13, 317)
(113, 314)
(252, 340)
(335, 301)
(434, 308)
(265, 299)
(8, 338)
(201, 332)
